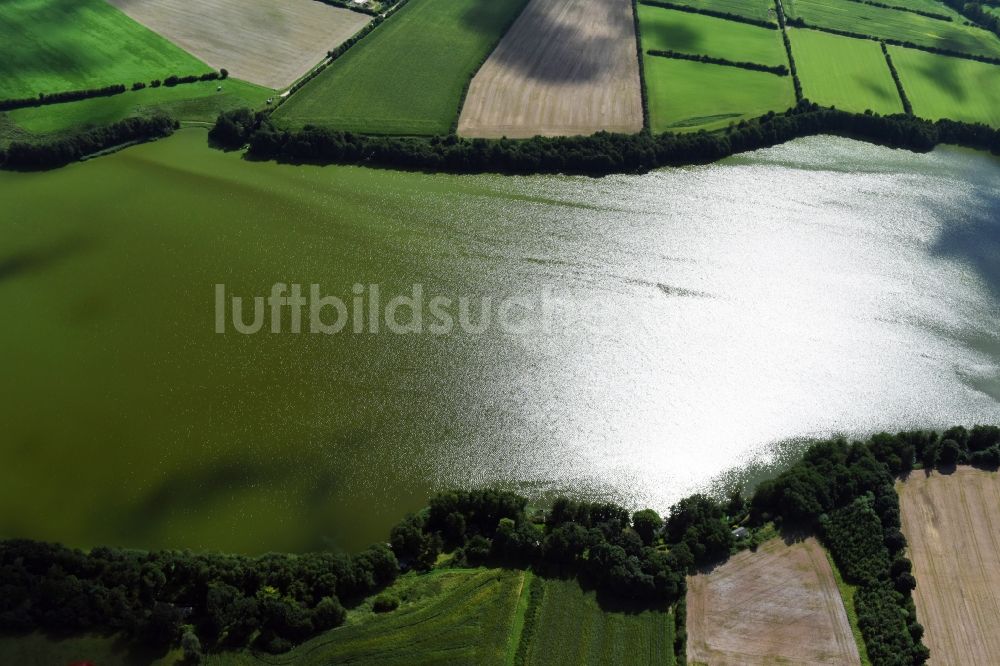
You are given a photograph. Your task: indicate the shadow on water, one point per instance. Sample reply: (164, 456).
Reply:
(40, 258)
(975, 240)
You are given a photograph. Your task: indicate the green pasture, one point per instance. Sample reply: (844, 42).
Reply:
(670, 30)
(943, 87)
(894, 24)
(196, 102)
(460, 616)
(689, 96)
(57, 45)
(850, 74)
(762, 10)
(407, 76)
(571, 628)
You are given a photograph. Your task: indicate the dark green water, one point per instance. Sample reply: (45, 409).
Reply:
(820, 287)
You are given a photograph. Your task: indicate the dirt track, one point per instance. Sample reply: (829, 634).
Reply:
(778, 605)
(261, 41)
(952, 524)
(566, 67)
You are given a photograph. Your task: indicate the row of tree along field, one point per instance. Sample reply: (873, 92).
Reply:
(842, 491)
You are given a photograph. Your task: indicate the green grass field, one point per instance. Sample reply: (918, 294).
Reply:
(894, 24)
(407, 76)
(56, 45)
(669, 30)
(762, 10)
(458, 616)
(943, 87)
(572, 629)
(197, 102)
(688, 96)
(850, 74)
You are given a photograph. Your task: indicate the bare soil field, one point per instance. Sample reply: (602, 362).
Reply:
(566, 67)
(778, 605)
(952, 524)
(260, 41)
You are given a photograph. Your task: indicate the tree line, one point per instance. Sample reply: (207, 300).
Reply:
(211, 602)
(601, 153)
(710, 12)
(107, 91)
(800, 23)
(899, 8)
(907, 106)
(29, 155)
(779, 70)
(974, 12)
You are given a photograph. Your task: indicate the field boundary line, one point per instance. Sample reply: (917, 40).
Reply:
(726, 16)
(899, 8)
(643, 93)
(782, 23)
(778, 70)
(907, 107)
(799, 23)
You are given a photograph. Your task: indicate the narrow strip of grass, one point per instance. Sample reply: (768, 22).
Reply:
(847, 592)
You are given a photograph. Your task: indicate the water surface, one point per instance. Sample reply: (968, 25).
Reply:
(825, 286)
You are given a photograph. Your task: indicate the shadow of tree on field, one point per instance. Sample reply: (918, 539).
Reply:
(564, 43)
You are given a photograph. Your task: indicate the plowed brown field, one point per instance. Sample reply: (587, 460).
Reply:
(565, 67)
(261, 41)
(952, 524)
(779, 605)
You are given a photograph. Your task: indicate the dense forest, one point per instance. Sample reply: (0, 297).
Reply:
(211, 602)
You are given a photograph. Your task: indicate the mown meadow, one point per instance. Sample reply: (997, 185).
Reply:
(409, 74)
(50, 46)
(850, 74)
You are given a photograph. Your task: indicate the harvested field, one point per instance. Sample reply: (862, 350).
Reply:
(566, 67)
(264, 42)
(952, 524)
(778, 605)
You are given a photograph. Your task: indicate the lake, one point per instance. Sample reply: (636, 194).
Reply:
(699, 325)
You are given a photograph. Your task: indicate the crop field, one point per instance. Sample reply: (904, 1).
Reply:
(199, 102)
(690, 96)
(953, 528)
(570, 628)
(762, 10)
(407, 76)
(669, 30)
(943, 87)
(261, 41)
(777, 605)
(458, 616)
(894, 24)
(850, 74)
(566, 67)
(57, 45)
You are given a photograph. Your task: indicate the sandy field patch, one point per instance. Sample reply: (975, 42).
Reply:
(566, 67)
(261, 41)
(952, 524)
(778, 605)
